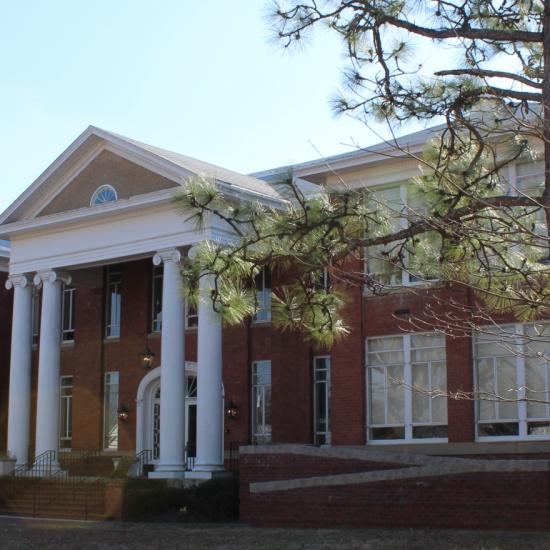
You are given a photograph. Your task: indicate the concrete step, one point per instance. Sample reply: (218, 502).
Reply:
(55, 499)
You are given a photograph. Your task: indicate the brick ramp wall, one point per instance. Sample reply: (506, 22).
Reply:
(301, 486)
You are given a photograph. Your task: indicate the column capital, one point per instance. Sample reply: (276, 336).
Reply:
(169, 255)
(19, 281)
(52, 276)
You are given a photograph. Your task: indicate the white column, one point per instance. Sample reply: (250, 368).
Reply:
(20, 368)
(172, 379)
(209, 388)
(49, 363)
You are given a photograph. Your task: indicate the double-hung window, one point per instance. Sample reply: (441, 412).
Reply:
(156, 322)
(512, 375)
(400, 371)
(35, 315)
(67, 333)
(114, 299)
(110, 408)
(66, 412)
(397, 206)
(321, 400)
(261, 401)
(262, 285)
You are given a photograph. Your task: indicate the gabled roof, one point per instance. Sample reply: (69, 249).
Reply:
(93, 140)
(385, 151)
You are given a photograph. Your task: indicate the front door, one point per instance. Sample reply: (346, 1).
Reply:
(190, 438)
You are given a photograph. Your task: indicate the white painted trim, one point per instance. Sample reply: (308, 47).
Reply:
(143, 401)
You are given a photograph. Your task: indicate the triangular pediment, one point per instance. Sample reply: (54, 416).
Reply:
(97, 158)
(127, 178)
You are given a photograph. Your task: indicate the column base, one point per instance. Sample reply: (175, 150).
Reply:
(203, 474)
(176, 479)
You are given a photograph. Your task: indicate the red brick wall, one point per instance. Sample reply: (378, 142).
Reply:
(478, 500)
(347, 364)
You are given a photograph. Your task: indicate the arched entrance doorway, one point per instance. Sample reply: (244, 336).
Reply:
(149, 419)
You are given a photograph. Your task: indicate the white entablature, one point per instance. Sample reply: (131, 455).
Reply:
(52, 224)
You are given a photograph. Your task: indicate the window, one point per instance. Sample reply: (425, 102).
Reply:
(191, 316)
(104, 194)
(262, 284)
(66, 412)
(156, 424)
(512, 361)
(320, 279)
(321, 400)
(35, 315)
(67, 322)
(261, 401)
(397, 206)
(156, 323)
(110, 414)
(396, 365)
(113, 297)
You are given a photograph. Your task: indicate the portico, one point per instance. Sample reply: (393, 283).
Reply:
(108, 201)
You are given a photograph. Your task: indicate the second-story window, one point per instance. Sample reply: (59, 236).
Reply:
(113, 300)
(262, 284)
(35, 315)
(192, 316)
(156, 322)
(67, 333)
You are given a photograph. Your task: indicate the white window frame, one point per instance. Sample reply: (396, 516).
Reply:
(515, 349)
(110, 408)
(67, 316)
(35, 314)
(406, 385)
(321, 391)
(65, 412)
(263, 296)
(156, 298)
(404, 277)
(103, 195)
(113, 299)
(191, 317)
(261, 402)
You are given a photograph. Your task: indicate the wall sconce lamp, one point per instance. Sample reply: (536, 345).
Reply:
(147, 357)
(231, 410)
(123, 413)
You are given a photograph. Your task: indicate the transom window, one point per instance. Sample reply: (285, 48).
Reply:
(512, 363)
(399, 369)
(104, 194)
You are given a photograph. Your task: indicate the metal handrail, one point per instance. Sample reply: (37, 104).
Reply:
(53, 485)
(142, 459)
(234, 454)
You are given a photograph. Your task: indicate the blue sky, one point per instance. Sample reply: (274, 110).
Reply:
(198, 78)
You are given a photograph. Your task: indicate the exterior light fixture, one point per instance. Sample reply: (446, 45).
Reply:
(123, 413)
(147, 357)
(231, 410)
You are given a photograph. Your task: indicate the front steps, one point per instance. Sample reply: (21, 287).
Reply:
(53, 499)
(79, 493)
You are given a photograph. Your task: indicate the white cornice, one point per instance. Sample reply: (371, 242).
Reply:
(90, 215)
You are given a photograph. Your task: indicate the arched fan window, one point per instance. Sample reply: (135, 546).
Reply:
(104, 194)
